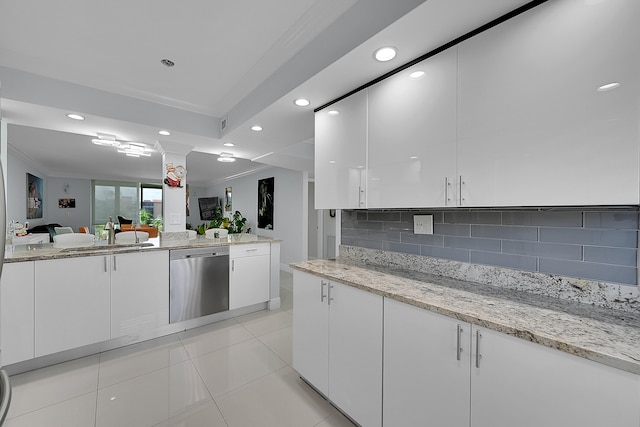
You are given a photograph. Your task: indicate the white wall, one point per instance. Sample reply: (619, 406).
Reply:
(290, 209)
(79, 189)
(313, 223)
(194, 212)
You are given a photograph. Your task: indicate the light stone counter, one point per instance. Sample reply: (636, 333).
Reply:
(36, 252)
(604, 335)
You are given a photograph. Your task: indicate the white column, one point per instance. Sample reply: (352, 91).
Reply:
(174, 202)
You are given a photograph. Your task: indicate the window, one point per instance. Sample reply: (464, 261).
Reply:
(151, 199)
(113, 198)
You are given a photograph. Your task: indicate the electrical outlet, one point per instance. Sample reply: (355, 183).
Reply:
(423, 224)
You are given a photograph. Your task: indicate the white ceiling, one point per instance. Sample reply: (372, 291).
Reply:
(245, 61)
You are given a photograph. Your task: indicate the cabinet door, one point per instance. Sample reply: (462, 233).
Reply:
(311, 329)
(340, 154)
(249, 281)
(16, 312)
(412, 136)
(426, 377)
(355, 353)
(534, 129)
(520, 383)
(139, 292)
(71, 303)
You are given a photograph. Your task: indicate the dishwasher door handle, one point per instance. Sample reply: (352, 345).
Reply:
(207, 255)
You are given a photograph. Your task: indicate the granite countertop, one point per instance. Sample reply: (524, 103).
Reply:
(44, 251)
(603, 335)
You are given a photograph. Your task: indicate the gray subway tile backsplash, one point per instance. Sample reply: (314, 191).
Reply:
(463, 230)
(591, 243)
(545, 250)
(446, 253)
(608, 255)
(472, 217)
(387, 236)
(589, 270)
(543, 218)
(590, 236)
(423, 239)
(491, 245)
(612, 220)
(505, 232)
(404, 248)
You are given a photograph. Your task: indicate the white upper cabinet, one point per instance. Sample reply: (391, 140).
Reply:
(340, 154)
(533, 128)
(412, 136)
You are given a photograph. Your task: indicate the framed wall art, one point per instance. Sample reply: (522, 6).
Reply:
(265, 203)
(34, 196)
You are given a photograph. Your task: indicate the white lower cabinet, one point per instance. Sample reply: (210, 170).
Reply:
(85, 300)
(520, 383)
(498, 381)
(337, 344)
(139, 292)
(16, 313)
(249, 275)
(71, 303)
(426, 367)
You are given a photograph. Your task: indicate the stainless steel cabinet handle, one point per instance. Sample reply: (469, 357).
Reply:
(252, 250)
(459, 342)
(460, 191)
(115, 267)
(105, 264)
(322, 294)
(233, 265)
(446, 190)
(360, 193)
(330, 298)
(478, 356)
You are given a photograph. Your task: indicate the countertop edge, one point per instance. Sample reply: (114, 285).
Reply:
(52, 253)
(628, 363)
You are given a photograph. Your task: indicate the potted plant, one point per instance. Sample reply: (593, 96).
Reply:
(145, 216)
(237, 223)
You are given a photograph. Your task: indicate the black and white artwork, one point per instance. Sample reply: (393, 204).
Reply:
(265, 203)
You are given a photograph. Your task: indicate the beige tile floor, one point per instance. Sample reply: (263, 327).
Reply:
(235, 373)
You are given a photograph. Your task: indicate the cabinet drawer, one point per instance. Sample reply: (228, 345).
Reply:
(237, 251)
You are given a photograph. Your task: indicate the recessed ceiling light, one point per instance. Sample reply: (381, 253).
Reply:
(416, 74)
(333, 113)
(167, 62)
(229, 144)
(226, 157)
(608, 86)
(385, 54)
(75, 116)
(332, 161)
(301, 102)
(164, 132)
(413, 157)
(256, 128)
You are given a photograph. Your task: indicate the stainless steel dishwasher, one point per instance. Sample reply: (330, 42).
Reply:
(199, 282)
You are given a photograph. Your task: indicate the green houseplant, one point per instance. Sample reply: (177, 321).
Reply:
(145, 216)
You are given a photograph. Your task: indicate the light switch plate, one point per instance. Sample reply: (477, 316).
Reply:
(423, 224)
(174, 219)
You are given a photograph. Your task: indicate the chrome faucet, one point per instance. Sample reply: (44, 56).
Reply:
(110, 227)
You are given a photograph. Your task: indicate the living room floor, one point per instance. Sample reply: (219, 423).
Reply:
(232, 373)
